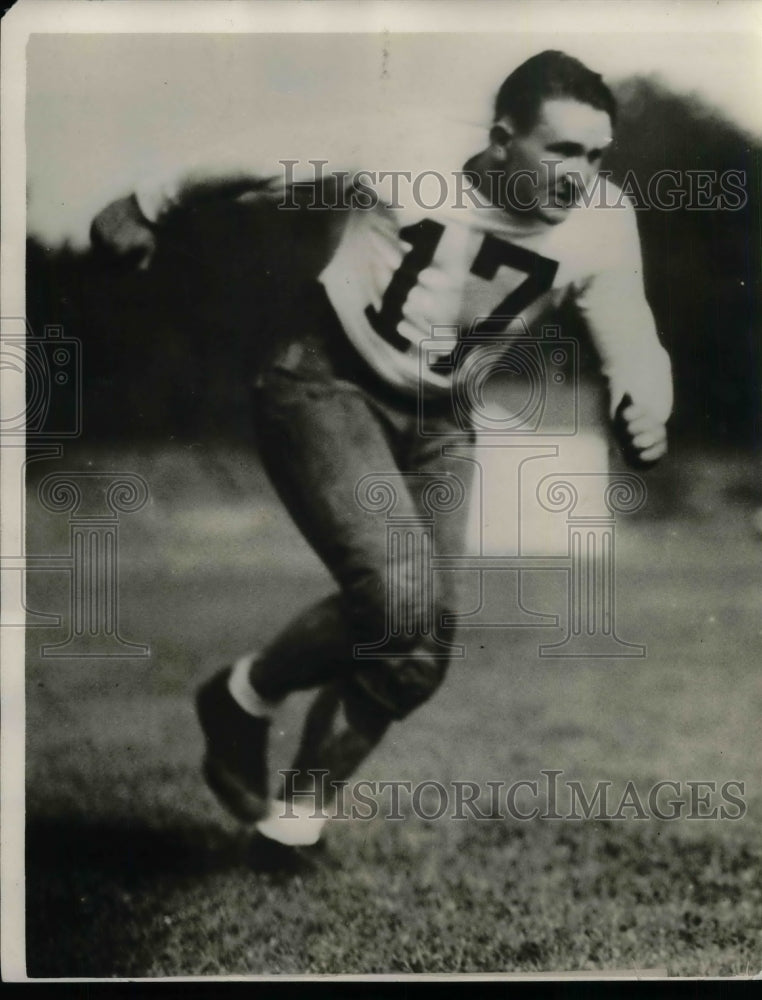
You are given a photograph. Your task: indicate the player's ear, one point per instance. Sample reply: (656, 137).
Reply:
(500, 136)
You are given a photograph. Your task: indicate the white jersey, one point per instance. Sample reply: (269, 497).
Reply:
(426, 264)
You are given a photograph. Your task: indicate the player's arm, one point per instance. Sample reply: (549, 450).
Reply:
(129, 226)
(623, 331)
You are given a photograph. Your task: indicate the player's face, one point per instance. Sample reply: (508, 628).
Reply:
(545, 167)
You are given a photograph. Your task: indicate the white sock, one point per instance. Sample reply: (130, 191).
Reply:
(293, 824)
(244, 694)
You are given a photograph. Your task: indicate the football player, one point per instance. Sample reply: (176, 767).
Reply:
(446, 238)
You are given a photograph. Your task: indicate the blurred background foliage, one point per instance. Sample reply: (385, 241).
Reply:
(168, 353)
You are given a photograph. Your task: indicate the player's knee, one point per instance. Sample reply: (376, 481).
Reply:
(391, 688)
(408, 624)
(391, 606)
(364, 713)
(416, 679)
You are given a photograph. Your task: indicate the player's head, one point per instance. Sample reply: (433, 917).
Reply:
(553, 119)
(550, 74)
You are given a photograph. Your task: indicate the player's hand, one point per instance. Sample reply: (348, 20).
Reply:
(121, 230)
(642, 437)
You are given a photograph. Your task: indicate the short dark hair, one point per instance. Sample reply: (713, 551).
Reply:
(547, 75)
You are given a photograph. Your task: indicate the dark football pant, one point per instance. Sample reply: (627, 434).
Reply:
(324, 422)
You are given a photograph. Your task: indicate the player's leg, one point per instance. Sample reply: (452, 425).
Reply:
(348, 719)
(339, 732)
(318, 437)
(444, 456)
(338, 735)
(281, 667)
(341, 440)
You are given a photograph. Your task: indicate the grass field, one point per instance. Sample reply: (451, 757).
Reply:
(133, 870)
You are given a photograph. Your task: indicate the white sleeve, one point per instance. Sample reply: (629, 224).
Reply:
(621, 324)
(213, 177)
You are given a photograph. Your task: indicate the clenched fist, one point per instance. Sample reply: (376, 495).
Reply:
(642, 437)
(122, 231)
